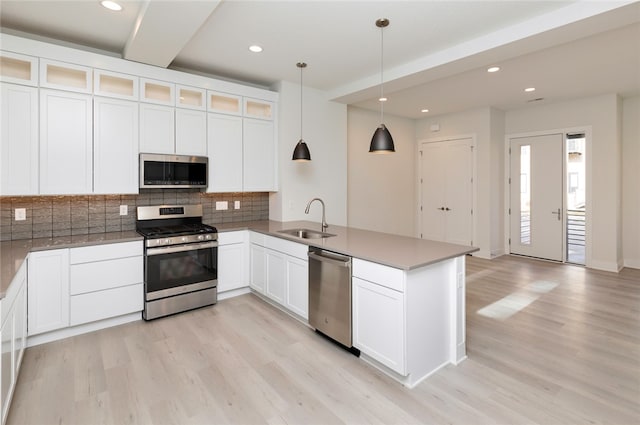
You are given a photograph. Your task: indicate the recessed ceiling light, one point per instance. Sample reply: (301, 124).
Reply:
(493, 69)
(255, 48)
(382, 99)
(111, 5)
(424, 110)
(530, 89)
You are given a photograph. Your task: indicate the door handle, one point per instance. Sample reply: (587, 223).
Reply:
(559, 213)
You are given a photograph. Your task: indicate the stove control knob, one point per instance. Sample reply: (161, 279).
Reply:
(185, 239)
(200, 237)
(208, 237)
(166, 241)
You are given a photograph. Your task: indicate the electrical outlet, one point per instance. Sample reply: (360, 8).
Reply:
(124, 209)
(222, 205)
(236, 205)
(21, 214)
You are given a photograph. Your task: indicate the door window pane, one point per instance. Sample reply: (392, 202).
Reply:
(525, 195)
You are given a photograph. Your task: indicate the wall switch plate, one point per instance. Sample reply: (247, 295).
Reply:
(222, 205)
(434, 127)
(124, 209)
(21, 214)
(236, 205)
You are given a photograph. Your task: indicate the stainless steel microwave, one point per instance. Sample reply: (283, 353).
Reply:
(163, 171)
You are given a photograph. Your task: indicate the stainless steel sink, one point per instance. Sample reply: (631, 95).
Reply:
(306, 233)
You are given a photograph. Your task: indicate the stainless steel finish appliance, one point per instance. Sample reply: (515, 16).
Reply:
(330, 294)
(180, 261)
(161, 171)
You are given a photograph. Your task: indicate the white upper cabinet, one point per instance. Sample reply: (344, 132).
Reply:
(65, 76)
(157, 128)
(18, 140)
(224, 143)
(191, 132)
(224, 103)
(66, 154)
(191, 98)
(158, 92)
(115, 144)
(261, 109)
(112, 84)
(259, 156)
(19, 69)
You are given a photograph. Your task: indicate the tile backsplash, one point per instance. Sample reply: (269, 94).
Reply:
(50, 216)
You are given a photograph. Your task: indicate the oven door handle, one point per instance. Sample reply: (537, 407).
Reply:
(181, 248)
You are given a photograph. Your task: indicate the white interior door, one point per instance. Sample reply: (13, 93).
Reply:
(536, 196)
(446, 191)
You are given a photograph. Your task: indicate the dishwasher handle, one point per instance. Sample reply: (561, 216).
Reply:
(336, 259)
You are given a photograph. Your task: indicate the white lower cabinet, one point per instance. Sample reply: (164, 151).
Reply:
(297, 291)
(48, 288)
(105, 281)
(258, 269)
(279, 270)
(378, 323)
(70, 287)
(232, 260)
(13, 334)
(276, 276)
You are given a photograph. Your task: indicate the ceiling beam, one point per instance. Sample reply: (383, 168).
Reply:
(163, 28)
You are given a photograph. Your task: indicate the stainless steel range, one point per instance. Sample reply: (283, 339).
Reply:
(181, 259)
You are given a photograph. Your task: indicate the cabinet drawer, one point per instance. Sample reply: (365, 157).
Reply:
(377, 273)
(105, 252)
(100, 305)
(287, 247)
(227, 238)
(90, 277)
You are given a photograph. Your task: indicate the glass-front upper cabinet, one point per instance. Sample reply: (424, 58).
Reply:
(254, 108)
(158, 92)
(224, 103)
(113, 84)
(18, 69)
(191, 98)
(65, 76)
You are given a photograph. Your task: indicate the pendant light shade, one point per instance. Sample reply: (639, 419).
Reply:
(301, 151)
(382, 142)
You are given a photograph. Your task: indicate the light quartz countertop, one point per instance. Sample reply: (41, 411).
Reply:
(14, 253)
(401, 252)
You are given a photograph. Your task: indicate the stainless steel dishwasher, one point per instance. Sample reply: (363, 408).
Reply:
(330, 294)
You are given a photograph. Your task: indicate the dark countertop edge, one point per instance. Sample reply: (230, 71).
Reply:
(259, 227)
(20, 249)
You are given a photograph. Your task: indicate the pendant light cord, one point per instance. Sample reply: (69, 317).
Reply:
(381, 74)
(301, 102)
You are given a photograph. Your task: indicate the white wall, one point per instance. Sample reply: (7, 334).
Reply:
(631, 182)
(325, 177)
(486, 125)
(381, 186)
(602, 115)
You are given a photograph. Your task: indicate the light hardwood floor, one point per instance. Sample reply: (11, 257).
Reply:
(546, 343)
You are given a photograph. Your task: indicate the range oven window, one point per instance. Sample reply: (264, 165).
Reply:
(165, 271)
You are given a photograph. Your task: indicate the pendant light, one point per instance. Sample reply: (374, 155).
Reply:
(301, 152)
(382, 142)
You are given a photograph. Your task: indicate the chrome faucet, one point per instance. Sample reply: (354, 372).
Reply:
(324, 219)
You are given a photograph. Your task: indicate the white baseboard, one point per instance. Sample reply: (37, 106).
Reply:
(233, 293)
(82, 329)
(632, 264)
(607, 266)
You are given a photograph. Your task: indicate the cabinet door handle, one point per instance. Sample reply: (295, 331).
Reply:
(441, 208)
(447, 209)
(559, 213)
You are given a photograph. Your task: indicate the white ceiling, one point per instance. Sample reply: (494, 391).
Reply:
(435, 52)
